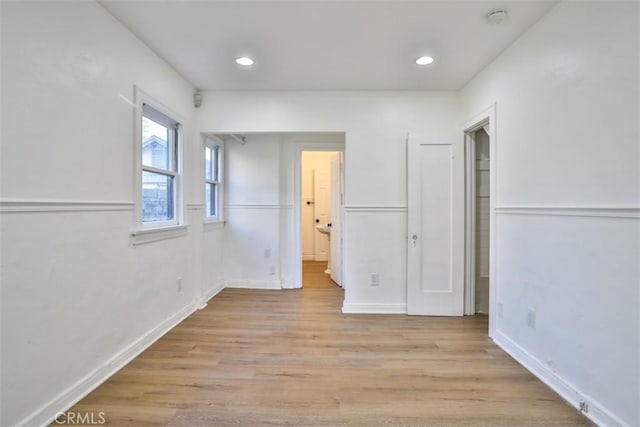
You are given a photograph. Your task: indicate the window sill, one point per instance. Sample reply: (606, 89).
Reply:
(149, 235)
(213, 225)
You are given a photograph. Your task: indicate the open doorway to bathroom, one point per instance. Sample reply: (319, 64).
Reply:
(321, 197)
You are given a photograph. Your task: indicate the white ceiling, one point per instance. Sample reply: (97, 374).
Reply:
(326, 45)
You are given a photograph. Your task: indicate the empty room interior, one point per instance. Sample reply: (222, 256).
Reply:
(372, 213)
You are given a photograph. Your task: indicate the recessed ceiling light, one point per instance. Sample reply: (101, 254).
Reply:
(424, 60)
(244, 60)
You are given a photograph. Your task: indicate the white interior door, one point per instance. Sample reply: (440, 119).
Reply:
(321, 191)
(435, 267)
(336, 218)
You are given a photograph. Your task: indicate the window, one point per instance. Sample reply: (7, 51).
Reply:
(212, 176)
(160, 139)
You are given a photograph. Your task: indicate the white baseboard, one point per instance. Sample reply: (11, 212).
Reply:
(254, 284)
(308, 257)
(210, 294)
(374, 308)
(72, 395)
(596, 411)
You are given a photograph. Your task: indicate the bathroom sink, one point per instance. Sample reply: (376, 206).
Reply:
(324, 229)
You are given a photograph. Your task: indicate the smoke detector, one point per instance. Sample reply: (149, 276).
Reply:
(496, 16)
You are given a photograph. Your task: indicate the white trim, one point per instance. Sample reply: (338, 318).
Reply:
(149, 235)
(53, 205)
(165, 172)
(572, 210)
(374, 308)
(210, 294)
(596, 413)
(253, 284)
(257, 206)
(481, 120)
(470, 224)
(72, 395)
(374, 208)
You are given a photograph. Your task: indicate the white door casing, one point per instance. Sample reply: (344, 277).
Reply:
(487, 121)
(298, 148)
(336, 218)
(435, 244)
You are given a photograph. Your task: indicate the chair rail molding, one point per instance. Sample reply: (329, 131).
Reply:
(62, 205)
(257, 206)
(604, 211)
(375, 208)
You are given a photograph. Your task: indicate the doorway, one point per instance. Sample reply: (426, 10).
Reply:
(480, 218)
(321, 195)
(479, 188)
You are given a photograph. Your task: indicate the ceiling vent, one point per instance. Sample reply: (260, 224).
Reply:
(496, 16)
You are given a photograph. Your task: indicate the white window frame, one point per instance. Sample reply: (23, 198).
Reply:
(213, 143)
(140, 100)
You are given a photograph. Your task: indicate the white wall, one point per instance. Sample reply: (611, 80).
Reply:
(566, 95)
(78, 299)
(376, 126)
(252, 232)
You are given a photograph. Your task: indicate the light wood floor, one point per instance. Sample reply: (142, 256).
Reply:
(255, 358)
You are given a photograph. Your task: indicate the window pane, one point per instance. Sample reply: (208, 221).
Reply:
(210, 199)
(207, 163)
(156, 145)
(157, 197)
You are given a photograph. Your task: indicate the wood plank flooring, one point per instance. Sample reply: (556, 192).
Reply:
(266, 358)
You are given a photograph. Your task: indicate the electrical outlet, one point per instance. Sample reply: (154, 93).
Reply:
(584, 406)
(179, 282)
(272, 270)
(267, 253)
(375, 279)
(500, 310)
(531, 318)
